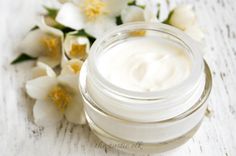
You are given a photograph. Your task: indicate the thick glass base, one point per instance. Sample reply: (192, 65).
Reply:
(140, 147)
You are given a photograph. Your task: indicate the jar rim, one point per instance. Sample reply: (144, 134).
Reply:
(182, 87)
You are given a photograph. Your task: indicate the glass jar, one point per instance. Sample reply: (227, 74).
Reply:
(146, 122)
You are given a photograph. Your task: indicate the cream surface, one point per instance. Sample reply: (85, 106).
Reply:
(145, 64)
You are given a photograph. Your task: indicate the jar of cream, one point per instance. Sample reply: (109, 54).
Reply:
(145, 87)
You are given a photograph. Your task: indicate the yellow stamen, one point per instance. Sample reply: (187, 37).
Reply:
(78, 51)
(138, 33)
(93, 8)
(60, 97)
(75, 67)
(52, 45)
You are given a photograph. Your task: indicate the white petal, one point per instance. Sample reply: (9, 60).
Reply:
(75, 112)
(48, 29)
(195, 32)
(52, 62)
(31, 44)
(64, 59)
(42, 70)
(46, 113)
(71, 39)
(141, 2)
(114, 7)
(72, 67)
(40, 87)
(183, 17)
(150, 12)
(70, 16)
(84, 40)
(50, 21)
(163, 8)
(72, 81)
(132, 14)
(100, 26)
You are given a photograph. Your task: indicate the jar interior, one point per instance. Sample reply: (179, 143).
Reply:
(119, 36)
(145, 63)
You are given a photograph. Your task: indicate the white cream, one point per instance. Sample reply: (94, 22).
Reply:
(145, 64)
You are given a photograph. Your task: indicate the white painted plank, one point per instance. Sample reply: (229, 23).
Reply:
(19, 136)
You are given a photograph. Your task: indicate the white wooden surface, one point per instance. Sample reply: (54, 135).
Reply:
(20, 136)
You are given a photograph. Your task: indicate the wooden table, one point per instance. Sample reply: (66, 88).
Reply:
(20, 136)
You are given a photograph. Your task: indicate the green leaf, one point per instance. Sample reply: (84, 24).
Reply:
(118, 20)
(91, 40)
(132, 3)
(82, 32)
(167, 20)
(34, 28)
(22, 58)
(52, 12)
(53, 23)
(158, 10)
(64, 29)
(141, 6)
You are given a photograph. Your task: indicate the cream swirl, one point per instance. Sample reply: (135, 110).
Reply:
(145, 64)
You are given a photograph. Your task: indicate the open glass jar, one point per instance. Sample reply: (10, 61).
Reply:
(154, 121)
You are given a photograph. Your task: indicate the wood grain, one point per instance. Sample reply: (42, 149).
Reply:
(20, 136)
